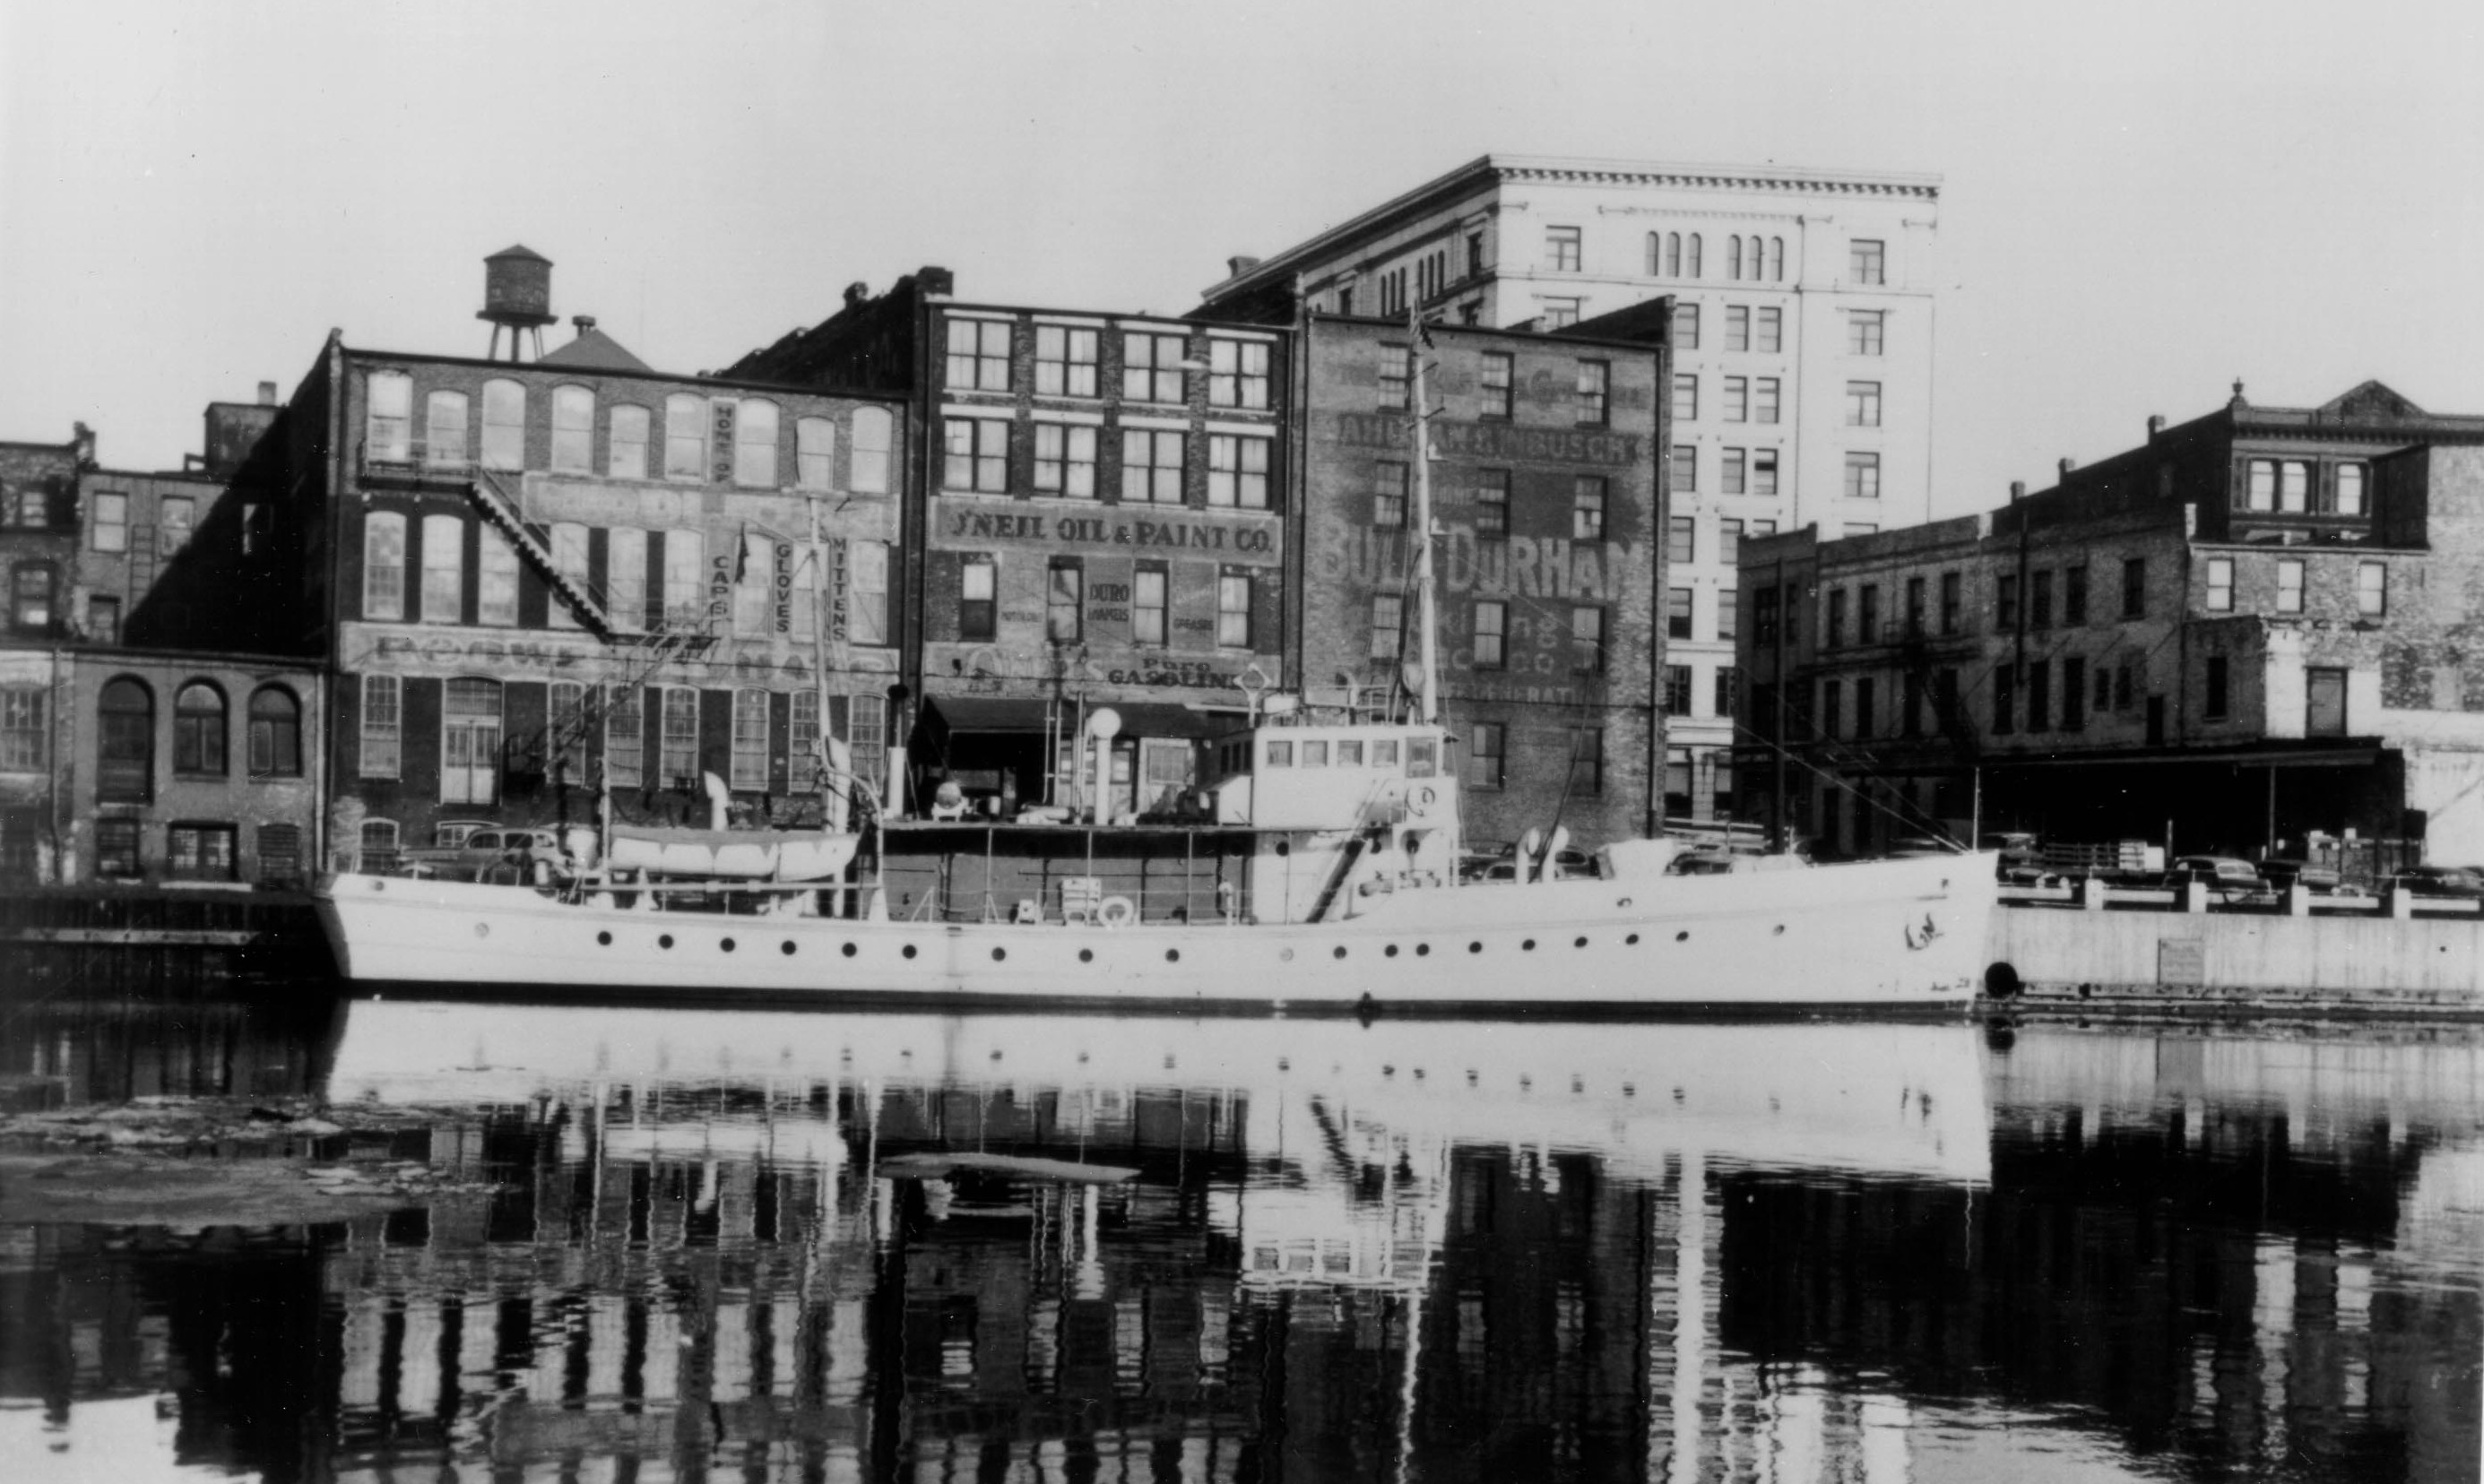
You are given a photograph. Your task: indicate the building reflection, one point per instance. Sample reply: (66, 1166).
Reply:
(709, 1247)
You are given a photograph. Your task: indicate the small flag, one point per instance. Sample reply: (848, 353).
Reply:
(1421, 327)
(742, 555)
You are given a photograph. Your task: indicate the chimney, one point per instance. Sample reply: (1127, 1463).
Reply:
(2065, 466)
(2017, 491)
(2155, 425)
(82, 440)
(583, 322)
(267, 394)
(856, 292)
(1236, 267)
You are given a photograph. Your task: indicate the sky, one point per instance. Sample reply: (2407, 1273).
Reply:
(2141, 201)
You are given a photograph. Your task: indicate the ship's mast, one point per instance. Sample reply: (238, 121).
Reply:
(1429, 696)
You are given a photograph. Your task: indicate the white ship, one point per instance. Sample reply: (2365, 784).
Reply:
(1319, 867)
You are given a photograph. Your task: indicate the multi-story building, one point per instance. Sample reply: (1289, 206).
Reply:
(1801, 338)
(528, 579)
(2255, 632)
(150, 725)
(1544, 468)
(1097, 517)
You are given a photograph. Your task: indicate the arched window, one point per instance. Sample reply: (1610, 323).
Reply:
(444, 429)
(275, 734)
(754, 443)
(1673, 255)
(626, 457)
(126, 750)
(504, 425)
(199, 730)
(1733, 257)
(872, 437)
(1776, 260)
(572, 430)
(384, 566)
(685, 437)
(1656, 254)
(1695, 254)
(388, 423)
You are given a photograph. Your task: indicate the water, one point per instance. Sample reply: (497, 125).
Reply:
(781, 1246)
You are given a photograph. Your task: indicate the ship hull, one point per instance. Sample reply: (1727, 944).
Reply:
(1879, 936)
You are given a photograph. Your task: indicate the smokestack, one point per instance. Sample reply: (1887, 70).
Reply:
(1236, 267)
(2067, 464)
(2017, 491)
(267, 394)
(2155, 425)
(583, 322)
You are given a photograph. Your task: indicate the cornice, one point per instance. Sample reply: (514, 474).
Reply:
(1724, 178)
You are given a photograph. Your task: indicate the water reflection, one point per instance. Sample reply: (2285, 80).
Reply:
(825, 1247)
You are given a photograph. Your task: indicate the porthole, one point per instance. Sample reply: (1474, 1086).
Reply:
(1528, 946)
(1684, 936)
(908, 951)
(787, 948)
(1390, 951)
(1086, 956)
(1341, 951)
(1474, 948)
(1780, 932)
(726, 945)
(1422, 950)
(665, 941)
(1172, 956)
(999, 953)
(1581, 943)
(1631, 941)
(603, 939)
(850, 949)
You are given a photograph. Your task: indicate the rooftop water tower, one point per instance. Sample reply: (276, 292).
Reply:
(517, 296)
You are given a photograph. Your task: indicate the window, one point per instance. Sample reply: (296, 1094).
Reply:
(1685, 469)
(977, 599)
(2290, 585)
(31, 597)
(1065, 460)
(1910, 704)
(685, 581)
(1734, 472)
(116, 848)
(2350, 489)
(1832, 708)
(504, 424)
(2040, 604)
(1388, 494)
(979, 354)
(1397, 376)
(377, 843)
(2005, 698)
(2121, 688)
(977, 454)
(469, 740)
(1737, 327)
(1729, 543)
(1952, 602)
(200, 852)
(1237, 374)
(25, 737)
(1867, 614)
(572, 430)
(2259, 489)
(677, 749)
(815, 451)
(382, 726)
(1729, 620)
(1862, 475)
(565, 732)
(103, 620)
(1767, 332)
(1147, 586)
(1764, 608)
(867, 732)
(1237, 471)
(685, 437)
(2293, 487)
(1587, 759)
(2371, 589)
(867, 592)
(275, 734)
(1866, 708)
(444, 569)
(1690, 257)
(1064, 601)
(1864, 330)
(1685, 398)
(177, 516)
(1491, 632)
(754, 443)
(1865, 260)
(1862, 404)
(625, 738)
(1151, 466)
(874, 433)
(1474, 253)
(2325, 703)
(1685, 315)
(384, 566)
(1726, 676)
(1764, 475)
(1677, 691)
(2074, 595)
(1586, 641)
(2215, 709)
(1832, 628)
(1487, 748)
(1492, 502)
(444, 420)
(1914, 607)
(802, 740)
(1737, 399)
(1561, 313)
(1734, 259)
(2104, 689)
(2074, 694)
(1561, 248)
(2134, 588)
(625, 452)
(749, 768)
(109, 516)
(1587, 509)
(198, 731)
(1234, 591)
(1497, 381)
(1763, 399)
(2004, 603)
(387, 426)
(1388, 626)
(1681, 539)
(1152, 367)
(1065, 360)
(495, 577)
(2039, 696)
(1677, 613)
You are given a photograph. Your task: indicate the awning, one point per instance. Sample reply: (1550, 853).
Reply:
(979, 715)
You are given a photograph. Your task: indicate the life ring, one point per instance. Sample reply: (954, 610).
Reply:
(1117, 911)
(1421, 800)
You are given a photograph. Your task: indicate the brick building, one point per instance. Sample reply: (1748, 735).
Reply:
(523, 577)
(151, 726)
(1095, 516)
(2253, 632)
(1544, 492)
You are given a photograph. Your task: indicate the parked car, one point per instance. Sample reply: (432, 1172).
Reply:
(1499, 863)
(2466, 881)
(481, 847)
(2227, 877)
(2319, 881)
